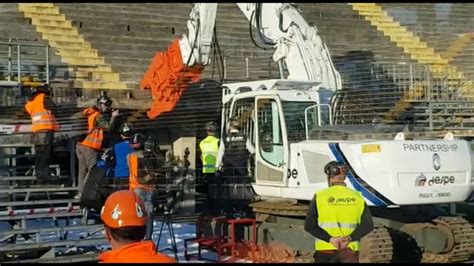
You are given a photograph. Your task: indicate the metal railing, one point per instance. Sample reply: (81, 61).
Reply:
(318, 119)
(250, 63)
(20, 60)
(422, 83)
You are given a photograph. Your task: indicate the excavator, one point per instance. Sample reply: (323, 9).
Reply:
(403, 176)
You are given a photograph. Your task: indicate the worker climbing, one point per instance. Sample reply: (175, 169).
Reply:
(97, 122)
(43, 117)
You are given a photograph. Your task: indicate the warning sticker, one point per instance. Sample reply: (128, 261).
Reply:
(368, 148)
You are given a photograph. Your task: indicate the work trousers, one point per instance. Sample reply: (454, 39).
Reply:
(43, 148)
(336, 256)
(87, 158)
(147, 196)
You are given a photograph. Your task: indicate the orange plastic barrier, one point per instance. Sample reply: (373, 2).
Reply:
(167, 78)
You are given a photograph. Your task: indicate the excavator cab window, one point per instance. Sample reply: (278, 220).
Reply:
(244, 110)
(294, 113)
(270, 135)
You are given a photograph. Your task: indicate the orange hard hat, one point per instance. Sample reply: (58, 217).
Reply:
(123, 208)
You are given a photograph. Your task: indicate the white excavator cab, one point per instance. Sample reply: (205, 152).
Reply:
(281, 118)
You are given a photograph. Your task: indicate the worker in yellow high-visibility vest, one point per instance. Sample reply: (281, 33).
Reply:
(338, 217)
(209, 148)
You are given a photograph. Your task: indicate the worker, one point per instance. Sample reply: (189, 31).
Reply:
(209, 147)
(87, 151)
(234, 151)
(232, 159)
(43, 117)
(95, 192)
(122, 150)
(143, 169)
(338, 218)
(125, 219)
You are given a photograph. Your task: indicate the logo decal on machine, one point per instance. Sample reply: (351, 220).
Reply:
(357, 182)
(436, 162)
(420, 180)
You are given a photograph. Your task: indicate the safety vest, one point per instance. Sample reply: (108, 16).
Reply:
(138, 252)
(135, 164)
(96, 135)
(41, 119)
(209, 148)
(339, 213)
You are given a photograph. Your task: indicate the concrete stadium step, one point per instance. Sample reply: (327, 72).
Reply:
(129, 54)
(242, 41)
(71, 45)
(158, 8)
(145, 32)
(42, 4)
(12, 19)
(57, 30)
(366, 7)
(65, 52)
(107, 16)
(50, 17)
(130, 68)
(98, 76)
(51, 23)
(134, 13)
(100, 85)
(170, 18)
(135, 77)
(63, 38)
(91, 61)
(39, 9)
(94, 68)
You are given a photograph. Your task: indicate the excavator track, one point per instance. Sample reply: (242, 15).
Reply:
(463, 245)
(376, 246)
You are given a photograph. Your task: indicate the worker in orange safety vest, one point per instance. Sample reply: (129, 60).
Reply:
(88, 150)
(42, 111)
(125, 219)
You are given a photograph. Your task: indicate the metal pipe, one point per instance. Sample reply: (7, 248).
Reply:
(19, 66)
(247, 72)
(428, 85)
(430, 110)
(9, 59)
(225, 67)
(280, 67)
(47, 64)
(411, 75)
